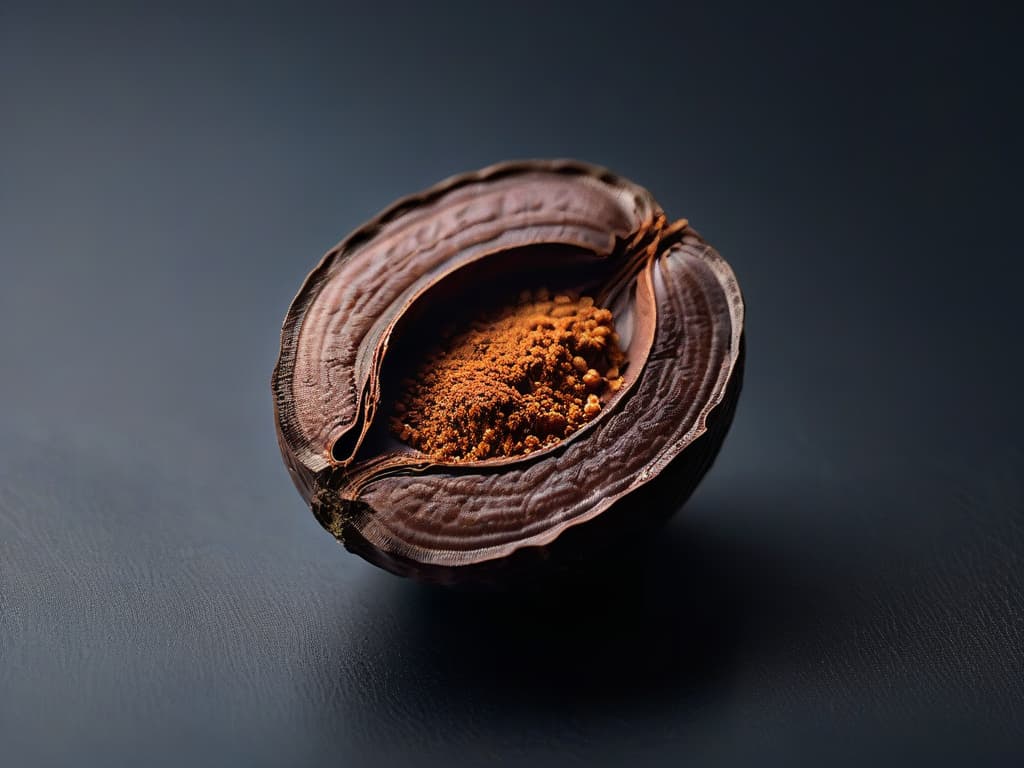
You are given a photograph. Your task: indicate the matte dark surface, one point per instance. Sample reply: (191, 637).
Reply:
(847, 582)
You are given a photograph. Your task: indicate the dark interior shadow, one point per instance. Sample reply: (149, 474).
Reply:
(663, 629)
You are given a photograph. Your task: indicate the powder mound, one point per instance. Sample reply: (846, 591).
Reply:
(518, 380)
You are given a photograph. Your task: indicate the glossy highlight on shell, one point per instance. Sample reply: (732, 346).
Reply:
(358, 325)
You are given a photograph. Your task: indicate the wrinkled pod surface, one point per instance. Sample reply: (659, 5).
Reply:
(364, 315)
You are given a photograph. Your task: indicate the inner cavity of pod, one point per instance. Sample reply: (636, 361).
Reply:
(504, 357)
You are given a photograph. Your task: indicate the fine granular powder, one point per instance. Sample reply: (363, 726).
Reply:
(517, 380)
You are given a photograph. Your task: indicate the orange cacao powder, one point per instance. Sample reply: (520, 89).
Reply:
(519, 379)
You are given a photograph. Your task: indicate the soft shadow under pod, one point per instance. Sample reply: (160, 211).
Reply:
(503, 376)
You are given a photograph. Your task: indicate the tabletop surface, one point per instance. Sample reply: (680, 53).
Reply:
(847, 581)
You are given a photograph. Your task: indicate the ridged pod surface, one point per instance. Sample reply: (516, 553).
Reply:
(678, 309)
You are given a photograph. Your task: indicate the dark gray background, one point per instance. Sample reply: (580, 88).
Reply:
(846, 582)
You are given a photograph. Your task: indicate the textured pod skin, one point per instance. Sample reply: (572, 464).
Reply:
(504, 520)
